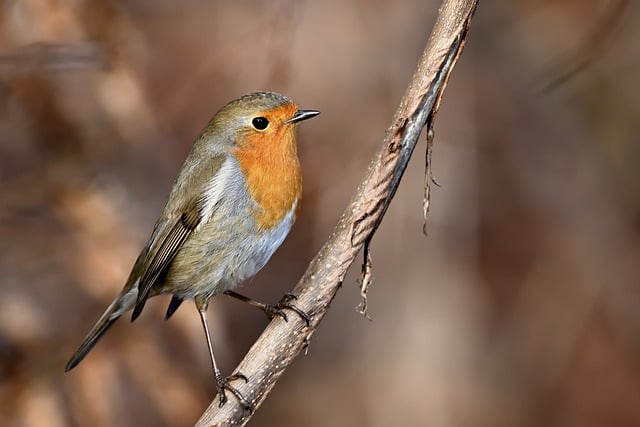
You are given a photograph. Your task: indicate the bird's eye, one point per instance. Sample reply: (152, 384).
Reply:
(260, 123)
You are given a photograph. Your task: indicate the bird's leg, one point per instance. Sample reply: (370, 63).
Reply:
(222, 383)
(273, 310)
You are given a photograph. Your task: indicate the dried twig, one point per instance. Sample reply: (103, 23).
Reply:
(282, 341)
(428, 177)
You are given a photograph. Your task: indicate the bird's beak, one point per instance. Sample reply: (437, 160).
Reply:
(301, 115)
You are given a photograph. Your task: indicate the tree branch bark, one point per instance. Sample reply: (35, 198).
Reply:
(282, 341)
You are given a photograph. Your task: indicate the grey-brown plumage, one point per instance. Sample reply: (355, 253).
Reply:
(231, 206)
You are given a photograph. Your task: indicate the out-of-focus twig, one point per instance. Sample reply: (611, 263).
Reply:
(592, 47)
(282, 341)
(51, 57)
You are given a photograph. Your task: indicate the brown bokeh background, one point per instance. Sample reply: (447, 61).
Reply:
(518, 309)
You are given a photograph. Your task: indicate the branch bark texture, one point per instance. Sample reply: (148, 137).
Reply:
(282, 341)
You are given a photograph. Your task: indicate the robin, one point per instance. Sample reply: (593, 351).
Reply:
(230, 208)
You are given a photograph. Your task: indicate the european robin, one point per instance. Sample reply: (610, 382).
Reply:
(230, 208)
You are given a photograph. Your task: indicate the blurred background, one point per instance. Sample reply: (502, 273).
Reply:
(518, 309)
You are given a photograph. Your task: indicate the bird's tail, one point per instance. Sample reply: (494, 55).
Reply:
(123, 303)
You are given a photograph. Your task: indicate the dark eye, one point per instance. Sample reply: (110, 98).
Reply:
(260, 123)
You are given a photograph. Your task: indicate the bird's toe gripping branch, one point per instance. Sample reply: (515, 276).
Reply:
(223, 384)
(277, 309)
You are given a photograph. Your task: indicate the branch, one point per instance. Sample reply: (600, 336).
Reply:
(282, 341)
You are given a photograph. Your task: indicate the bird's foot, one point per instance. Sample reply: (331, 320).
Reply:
(277, 309)
(223, 384)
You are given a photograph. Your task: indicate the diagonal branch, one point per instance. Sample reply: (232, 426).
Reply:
(282, 341)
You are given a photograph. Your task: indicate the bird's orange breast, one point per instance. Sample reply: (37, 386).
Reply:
(271, 168)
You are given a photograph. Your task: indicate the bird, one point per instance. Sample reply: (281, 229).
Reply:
(231, 206)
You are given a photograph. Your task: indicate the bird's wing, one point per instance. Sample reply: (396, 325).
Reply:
(166, 246)
(174, 228)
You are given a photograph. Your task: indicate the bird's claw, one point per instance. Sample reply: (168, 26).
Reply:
(223, 384)
(273, 310)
